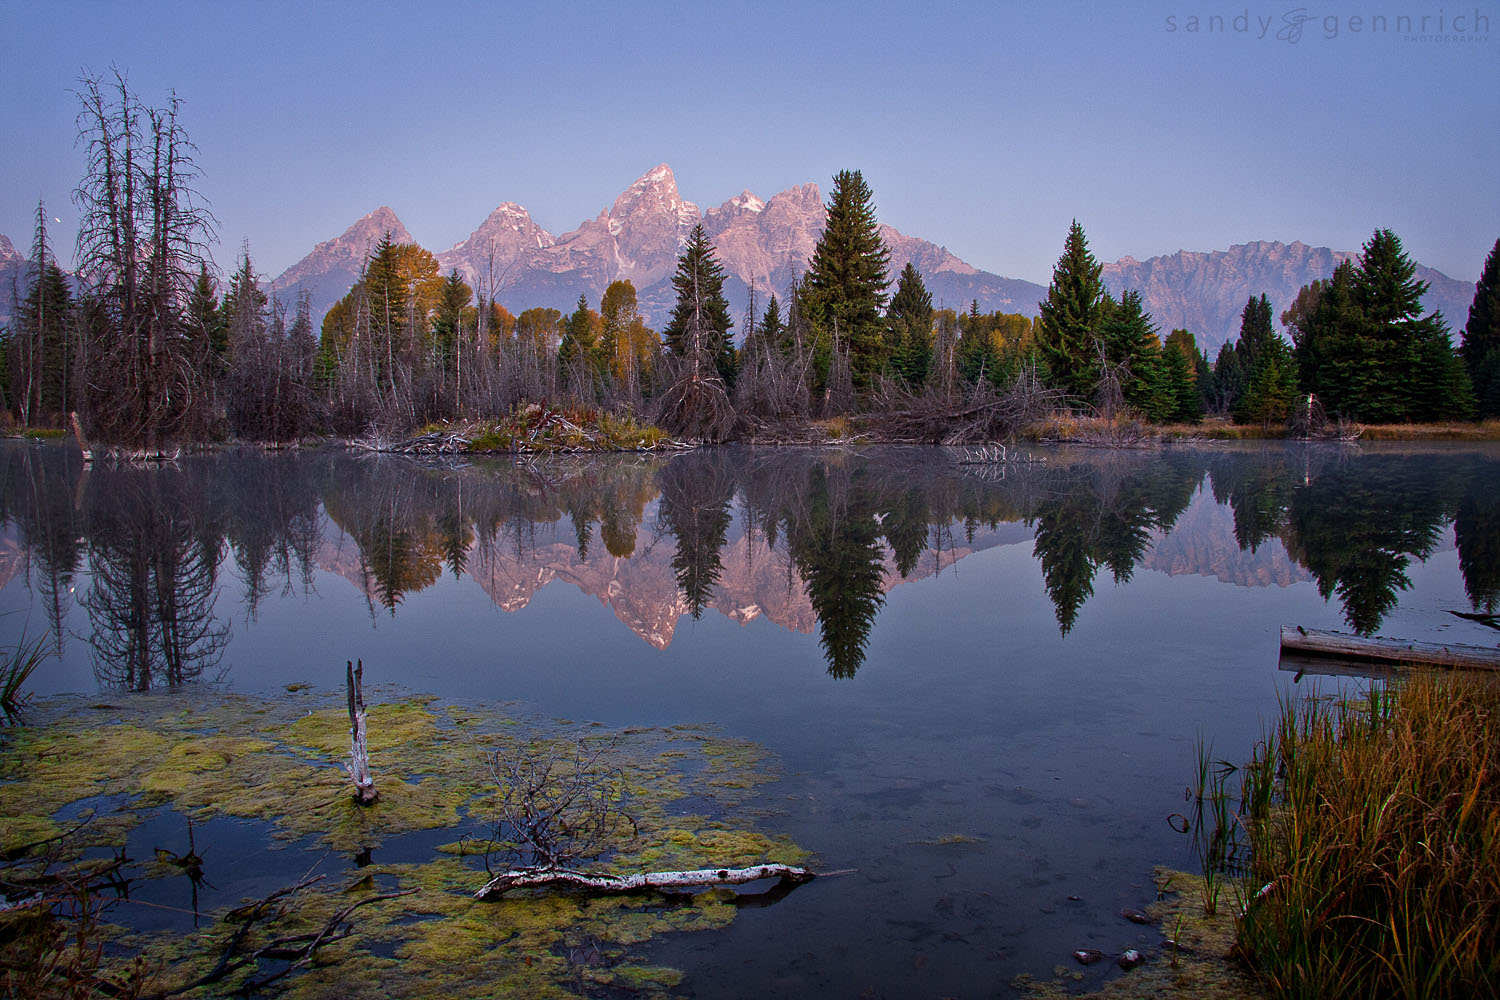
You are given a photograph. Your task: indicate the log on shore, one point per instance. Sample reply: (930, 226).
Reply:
(1339, 645)
(532, 878)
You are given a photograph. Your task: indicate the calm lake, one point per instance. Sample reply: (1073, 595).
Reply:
(981, 687)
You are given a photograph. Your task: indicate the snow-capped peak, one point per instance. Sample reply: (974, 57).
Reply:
(747, 202)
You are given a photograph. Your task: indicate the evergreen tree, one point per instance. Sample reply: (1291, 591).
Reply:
(909, 322)
(209, 333)
(40, 359)
(454, 296)
(1178, 389)
(701, 305)
(772, 329)
(848, 278)
(1271, 393)
(1130, 341)
(304, 343)
(1256, 333)
(1481, 346)
(387, 294)
(1228, 381)
(578, 352)
(1265, 362)
(1325, 325)
(978, 357)
(1415, 377)
(1366, 351)
(1071, 316)
(1181, 376)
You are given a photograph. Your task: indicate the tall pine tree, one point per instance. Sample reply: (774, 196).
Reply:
(847, 277)
(1130, 341)
(701, 305)
(1266, 366)
(909, 322)
(1071, 315)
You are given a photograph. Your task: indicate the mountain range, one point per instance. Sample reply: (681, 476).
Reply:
(764, 243)
(761, 244)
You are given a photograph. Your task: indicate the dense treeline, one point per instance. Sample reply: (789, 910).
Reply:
(148, 351)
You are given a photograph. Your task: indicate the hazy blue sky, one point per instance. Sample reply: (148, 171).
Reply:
(985, 127)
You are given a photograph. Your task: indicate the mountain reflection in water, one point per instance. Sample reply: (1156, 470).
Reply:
(809, 539)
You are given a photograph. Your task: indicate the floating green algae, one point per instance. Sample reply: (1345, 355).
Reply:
(279, 764)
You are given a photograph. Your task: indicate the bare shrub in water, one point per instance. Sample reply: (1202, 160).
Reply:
(559, 803)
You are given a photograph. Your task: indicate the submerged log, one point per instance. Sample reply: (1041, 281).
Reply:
(359, 750)
(531, 878)
(1338, 645)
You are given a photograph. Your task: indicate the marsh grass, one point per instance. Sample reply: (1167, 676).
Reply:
(16, 667)
(1375, 827)
(1214, 820)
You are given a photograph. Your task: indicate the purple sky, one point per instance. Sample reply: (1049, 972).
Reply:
(985, 127)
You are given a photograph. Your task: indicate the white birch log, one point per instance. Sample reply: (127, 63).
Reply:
(359, 750)
(530, 878)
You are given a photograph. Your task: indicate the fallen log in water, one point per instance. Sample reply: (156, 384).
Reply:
(1338, 645)
(531, 878)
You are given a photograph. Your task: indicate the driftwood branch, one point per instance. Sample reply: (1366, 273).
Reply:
(1337, 645)
(532, 878)
(359, 750)
(297, 950)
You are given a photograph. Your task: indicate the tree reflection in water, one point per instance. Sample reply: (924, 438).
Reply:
(839, 528)
(694, 509)
(154, 551)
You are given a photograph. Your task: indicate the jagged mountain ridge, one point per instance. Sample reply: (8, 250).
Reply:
(760, 242)
(1205, 292)
(767, 242)
(334, 265)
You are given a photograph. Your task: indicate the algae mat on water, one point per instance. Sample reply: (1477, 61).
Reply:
(275, 765)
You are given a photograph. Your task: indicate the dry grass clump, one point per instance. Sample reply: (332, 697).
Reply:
(1375, 832)
(1489, 430)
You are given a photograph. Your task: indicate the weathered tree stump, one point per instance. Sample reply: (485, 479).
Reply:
(359, 750)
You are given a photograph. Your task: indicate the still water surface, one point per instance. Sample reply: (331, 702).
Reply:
(982, 686)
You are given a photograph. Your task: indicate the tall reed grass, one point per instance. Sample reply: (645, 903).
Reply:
(16, 667)
(1375, 839)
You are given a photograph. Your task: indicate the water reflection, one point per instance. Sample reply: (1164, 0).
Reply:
(812, 540)
(694, 509)
(153, 544)
(1101, 513)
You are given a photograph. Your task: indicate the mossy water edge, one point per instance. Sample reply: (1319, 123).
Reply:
(276, 764)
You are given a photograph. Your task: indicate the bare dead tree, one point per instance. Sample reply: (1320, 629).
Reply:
(1109, 393)
(141, 239)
